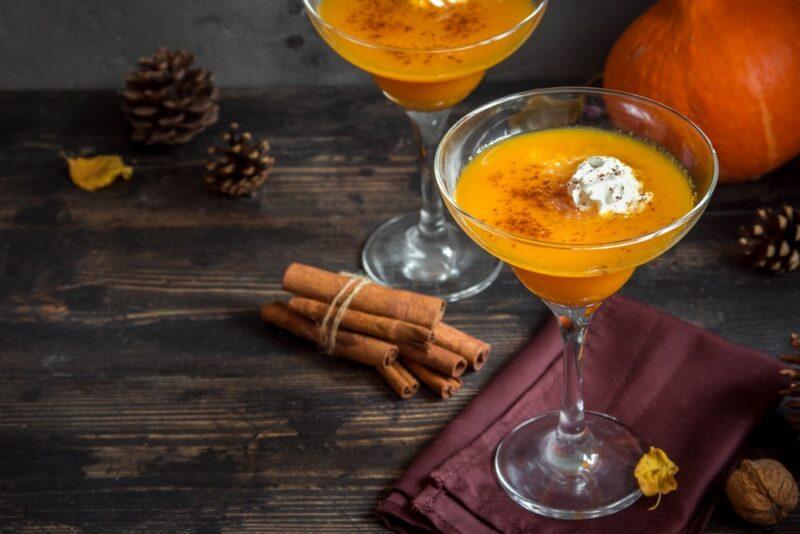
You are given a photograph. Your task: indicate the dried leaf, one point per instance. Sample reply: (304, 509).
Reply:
(655, 473)
(97, 172)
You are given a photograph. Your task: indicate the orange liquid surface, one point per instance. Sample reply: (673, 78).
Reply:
(425, 68)
(519, 186)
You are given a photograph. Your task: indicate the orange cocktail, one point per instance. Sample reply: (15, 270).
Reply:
(426, 56)
(575, 188)
(423, 53)
(520, 186)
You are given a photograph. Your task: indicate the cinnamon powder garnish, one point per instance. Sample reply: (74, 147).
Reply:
(522, 223)
(542, 194)
(379, 21)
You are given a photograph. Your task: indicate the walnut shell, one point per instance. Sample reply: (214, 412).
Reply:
(762, 492)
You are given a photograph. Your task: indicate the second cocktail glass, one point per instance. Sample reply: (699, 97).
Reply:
(571, 463)
(423, 251)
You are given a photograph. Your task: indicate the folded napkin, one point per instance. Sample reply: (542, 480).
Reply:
(678, 387)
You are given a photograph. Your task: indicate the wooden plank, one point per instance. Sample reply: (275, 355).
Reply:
(140, 391)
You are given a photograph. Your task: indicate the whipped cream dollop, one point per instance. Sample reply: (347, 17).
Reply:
(607, 184)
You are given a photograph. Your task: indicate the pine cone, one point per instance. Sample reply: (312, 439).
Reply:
(773, 241)
(241, 167)
(168, 102)
(792, 389)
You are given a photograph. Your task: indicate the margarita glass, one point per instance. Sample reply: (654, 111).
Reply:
(572, 464)
(426, 60)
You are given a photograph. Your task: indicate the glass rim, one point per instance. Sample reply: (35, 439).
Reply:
(313, 12)
(450, 199)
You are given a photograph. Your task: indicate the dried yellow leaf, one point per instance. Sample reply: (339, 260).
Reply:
(97, 172)
(655, 474)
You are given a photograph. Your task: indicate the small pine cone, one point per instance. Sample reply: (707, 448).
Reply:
(773, 241)
(791, 389)
(168, 102)
(241, 167)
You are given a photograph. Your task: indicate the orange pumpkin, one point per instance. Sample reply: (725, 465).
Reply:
(732, 66)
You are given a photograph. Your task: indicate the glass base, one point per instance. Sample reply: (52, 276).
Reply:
(450, 266)
(535, 471)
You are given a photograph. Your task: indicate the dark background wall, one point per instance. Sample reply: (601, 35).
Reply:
(87, 44)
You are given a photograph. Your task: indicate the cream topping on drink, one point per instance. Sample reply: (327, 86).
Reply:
(607, 185)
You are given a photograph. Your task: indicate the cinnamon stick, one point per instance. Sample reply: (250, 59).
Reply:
(321, 285)
(472, 349)
(365, 323)
(435, 357)
(442, 385)
(402, 382)
(356, 347)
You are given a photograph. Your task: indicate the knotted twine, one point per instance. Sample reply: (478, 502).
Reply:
(330, 323)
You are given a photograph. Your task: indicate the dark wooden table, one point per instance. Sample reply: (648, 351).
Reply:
(139, 389)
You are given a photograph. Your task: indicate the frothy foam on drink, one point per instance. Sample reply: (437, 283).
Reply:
(608, 185)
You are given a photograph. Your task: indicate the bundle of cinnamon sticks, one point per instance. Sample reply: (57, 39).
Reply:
(399, 333)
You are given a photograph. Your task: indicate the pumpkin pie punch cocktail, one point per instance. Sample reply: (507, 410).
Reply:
(575, 188)
(426, 55)
(528, 185)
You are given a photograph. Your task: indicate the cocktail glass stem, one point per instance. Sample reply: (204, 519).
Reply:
(570, 464)
(571, 448)
(429, 127)
(423, 251)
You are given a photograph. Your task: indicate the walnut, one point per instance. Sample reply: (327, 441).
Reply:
(762, 492)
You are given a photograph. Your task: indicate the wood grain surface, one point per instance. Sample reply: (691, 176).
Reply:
(139, 391)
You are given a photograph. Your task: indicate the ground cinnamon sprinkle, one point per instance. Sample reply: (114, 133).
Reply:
(463, 25)
(384, 21)
(539, 196)
(542, 194)
(522, 223)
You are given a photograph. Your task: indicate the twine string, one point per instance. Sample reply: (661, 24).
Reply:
(330, 323)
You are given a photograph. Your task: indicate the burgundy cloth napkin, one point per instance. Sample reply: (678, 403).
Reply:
(680, 388)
